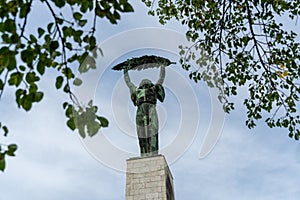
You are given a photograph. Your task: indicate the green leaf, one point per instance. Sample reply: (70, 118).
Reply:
(71, 124)
(59, 3)
(31, 77)
(27, 102)
(82, 22)
(33, 89)
(67, 31)
(15, 79)
(68, 73)
(81, 132)
(93, 128)
(128, 8)
(38, 96)
(28, 55)
(77, 82)
(59, 21)
(40, 32)
(5, 129)
(54, 45)
(104, 122)
(22, 68)
(66, 88)
(65, 104)
(77, 15)
(24, 9)
(1, 85)
(5, 38)
(14, 38)
(77, 35)
(59, 82)
(69, 111)
(40, 67)
(11, 149)
(2, 162)
(9, 25)
(49, 27)
(116, 15)
(13, 7)
(83, 68)
(69, 45)
(19, 95)
(32, 38)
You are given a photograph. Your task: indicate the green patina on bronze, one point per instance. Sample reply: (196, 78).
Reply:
(145, 97)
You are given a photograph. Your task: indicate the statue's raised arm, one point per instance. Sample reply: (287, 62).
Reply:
(130, 85)
(162, 75)
(127, 80)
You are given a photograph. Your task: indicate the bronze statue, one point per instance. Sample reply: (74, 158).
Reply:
(145, 97)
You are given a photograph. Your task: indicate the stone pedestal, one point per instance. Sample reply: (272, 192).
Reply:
(149, 178)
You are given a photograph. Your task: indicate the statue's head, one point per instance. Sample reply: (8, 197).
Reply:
(146, 83)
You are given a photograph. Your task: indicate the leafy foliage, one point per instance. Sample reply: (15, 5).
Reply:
(62, 44)
(84, 119)
(6, 150)
(246, 45)
(237, 44)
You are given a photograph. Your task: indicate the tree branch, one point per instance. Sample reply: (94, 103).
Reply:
(64, 56)
(256, 44)
(25, 20)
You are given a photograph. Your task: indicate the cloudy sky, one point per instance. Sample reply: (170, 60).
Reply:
(54, 163)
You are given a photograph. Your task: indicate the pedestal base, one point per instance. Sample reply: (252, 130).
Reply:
(149, 178)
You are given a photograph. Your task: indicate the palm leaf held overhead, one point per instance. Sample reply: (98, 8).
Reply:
(143, 62)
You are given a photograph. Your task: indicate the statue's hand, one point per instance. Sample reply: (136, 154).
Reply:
(126, 69)
(163, 67)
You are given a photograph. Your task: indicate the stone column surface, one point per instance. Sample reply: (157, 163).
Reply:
(149, 178)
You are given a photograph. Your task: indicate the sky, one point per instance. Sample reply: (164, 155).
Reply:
(53, 162)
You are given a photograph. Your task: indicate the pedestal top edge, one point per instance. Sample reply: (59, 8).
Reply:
(140, 157)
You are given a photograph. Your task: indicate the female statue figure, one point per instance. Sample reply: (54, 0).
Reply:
(145, 97)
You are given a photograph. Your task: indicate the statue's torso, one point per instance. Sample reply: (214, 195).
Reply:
(146, 95)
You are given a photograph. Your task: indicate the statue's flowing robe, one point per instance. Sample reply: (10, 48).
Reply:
(145, 97)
